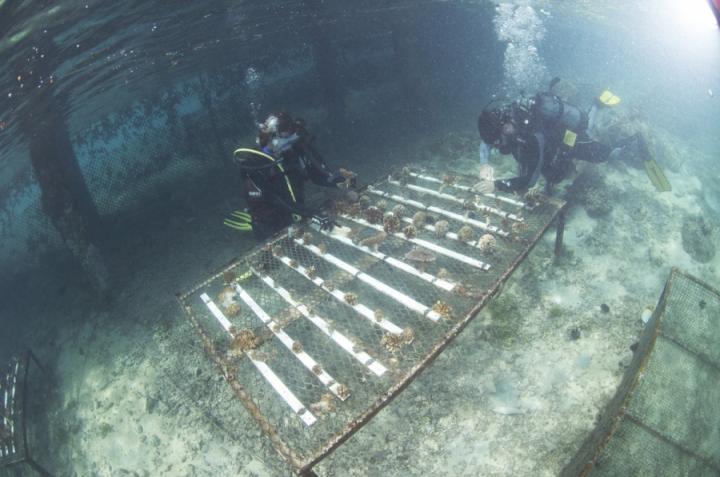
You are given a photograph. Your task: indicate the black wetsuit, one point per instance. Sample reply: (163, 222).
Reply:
(550, 133)
(276, 192)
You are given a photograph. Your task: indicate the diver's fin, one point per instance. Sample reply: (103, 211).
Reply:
(657, 176)
(241, 215)
(241, 226)
(607, 98)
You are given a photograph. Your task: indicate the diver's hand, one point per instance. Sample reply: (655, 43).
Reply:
(485, 186)
(322, 221)
(335, 179)
(486, 171)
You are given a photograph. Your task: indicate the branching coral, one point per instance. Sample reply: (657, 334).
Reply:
(487, 243)
(243, 341)
(419, 219)
(442, 309)
(441, 228)
(391, 223)
(351, 299)
(378, 314)
(410, 231)
(399, 211)
(374, 215)
(394, 343)
(466, 233)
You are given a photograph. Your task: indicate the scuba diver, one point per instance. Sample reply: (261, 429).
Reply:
(543, 134)
(274, 178)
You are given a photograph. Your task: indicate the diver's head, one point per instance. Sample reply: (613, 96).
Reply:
(277, 124)
(496, 129)
(490, 126)
(278, 132)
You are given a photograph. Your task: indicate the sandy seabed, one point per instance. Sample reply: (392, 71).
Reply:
(515, 394)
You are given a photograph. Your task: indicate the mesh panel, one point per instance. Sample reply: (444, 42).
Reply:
(665, 419)
(678, 400)
(324, 328)
(152, 153)
(692, 319)
(635, 451)
(141, 158)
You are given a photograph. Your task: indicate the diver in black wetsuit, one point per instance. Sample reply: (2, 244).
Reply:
(274, 176)
(543, 134)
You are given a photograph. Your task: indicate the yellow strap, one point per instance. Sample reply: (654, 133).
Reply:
(569, 138)
(268, 156)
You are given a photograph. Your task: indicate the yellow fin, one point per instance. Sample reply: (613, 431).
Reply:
(243, 227)
(608, 98)
(657, 176)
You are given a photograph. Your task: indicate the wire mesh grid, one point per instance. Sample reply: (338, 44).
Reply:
(24, 393)
(12, 431)
(322, 328)
(148, 160)
(665, 418)
(679, 398)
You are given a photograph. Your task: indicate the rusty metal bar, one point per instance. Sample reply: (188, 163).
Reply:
(559, 233)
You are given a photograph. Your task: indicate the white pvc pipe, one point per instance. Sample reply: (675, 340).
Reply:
(344, 342)
(457, 200)
(387, 290)
(400, 265)
(339, 295)
(219, 315)
(469, 221)
(450, 235)
(270, 376)
(429, 245)
(507, 200)
(439, 211)
(284, 391)
(289, 342)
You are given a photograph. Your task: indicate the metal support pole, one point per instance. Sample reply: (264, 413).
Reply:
(65, 197)
(326, 66)
(559, 232)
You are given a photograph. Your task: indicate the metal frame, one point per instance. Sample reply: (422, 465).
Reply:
(590, 454)
(304, 466)
(13, 407)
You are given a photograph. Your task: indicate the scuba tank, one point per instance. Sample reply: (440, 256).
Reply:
(551, 109)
